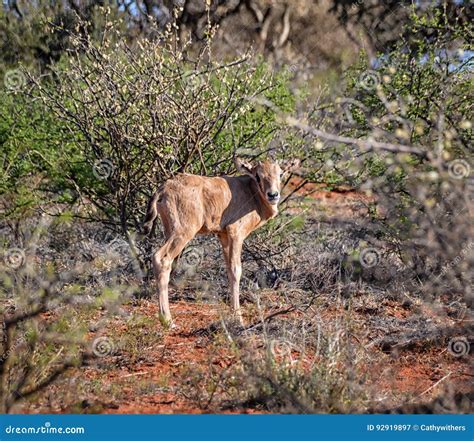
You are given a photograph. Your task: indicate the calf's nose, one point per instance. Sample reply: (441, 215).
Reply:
(272, 194)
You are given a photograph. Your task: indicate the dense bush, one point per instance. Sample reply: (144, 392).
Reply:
(137, 115)
(113, 118)
(402, 132)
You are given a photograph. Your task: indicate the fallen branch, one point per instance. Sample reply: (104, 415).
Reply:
(270, 317)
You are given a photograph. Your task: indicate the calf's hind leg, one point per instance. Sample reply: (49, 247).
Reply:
(162, 264)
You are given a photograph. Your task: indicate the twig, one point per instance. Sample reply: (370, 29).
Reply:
(135, 374)
(270, 317)
(436, 384)
(364, 144)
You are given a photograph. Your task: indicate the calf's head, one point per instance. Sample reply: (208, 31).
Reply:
(267, 175)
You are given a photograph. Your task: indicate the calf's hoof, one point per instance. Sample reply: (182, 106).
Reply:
(167, 322)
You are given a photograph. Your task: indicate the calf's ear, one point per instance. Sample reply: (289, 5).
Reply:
(243, 167)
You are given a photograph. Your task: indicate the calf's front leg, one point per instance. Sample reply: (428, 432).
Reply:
(235, 272)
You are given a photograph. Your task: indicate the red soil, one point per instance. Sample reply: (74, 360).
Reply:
(412, 373)
(420, 373)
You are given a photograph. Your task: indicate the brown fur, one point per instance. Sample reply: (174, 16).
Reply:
(230, 207)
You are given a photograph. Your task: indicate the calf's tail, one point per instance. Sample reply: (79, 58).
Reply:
(151, 213)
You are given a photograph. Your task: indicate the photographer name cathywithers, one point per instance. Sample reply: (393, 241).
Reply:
(415, 427)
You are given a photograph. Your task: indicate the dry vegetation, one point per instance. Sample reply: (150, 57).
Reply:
(323, 334)
(356, 298)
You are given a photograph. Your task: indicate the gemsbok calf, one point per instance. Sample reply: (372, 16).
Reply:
(229, 206)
